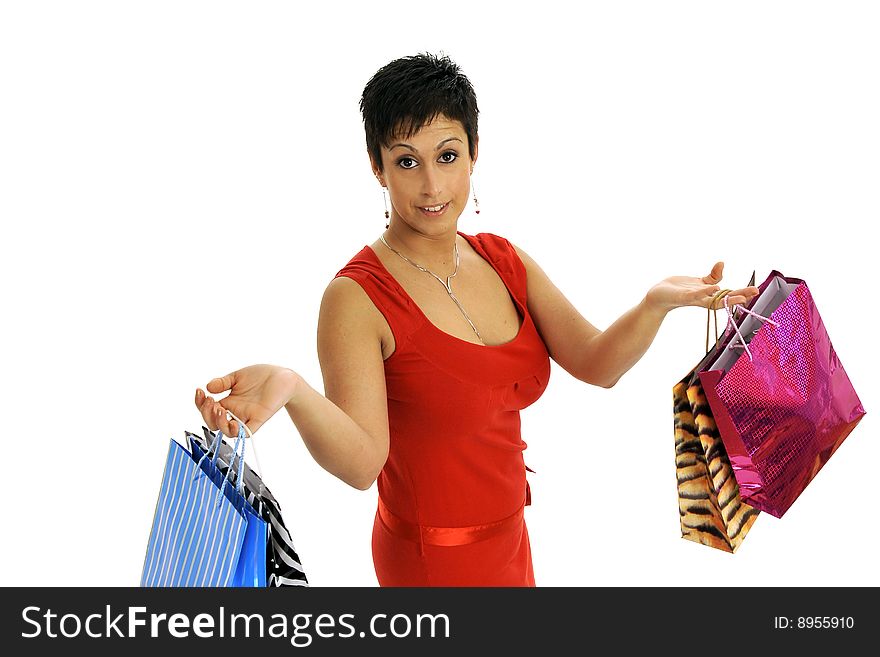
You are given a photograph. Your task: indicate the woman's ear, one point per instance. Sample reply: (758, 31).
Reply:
(476, 152)
(377, 172)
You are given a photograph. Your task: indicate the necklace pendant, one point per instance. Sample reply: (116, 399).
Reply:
(447, 284)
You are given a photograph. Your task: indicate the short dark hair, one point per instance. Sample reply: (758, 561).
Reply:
(408, 93)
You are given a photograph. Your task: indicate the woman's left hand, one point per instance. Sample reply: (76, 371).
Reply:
(678, 291)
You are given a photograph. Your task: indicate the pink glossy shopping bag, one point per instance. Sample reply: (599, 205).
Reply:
(780, 397)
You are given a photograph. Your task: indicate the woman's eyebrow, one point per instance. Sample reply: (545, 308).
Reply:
(436, 148)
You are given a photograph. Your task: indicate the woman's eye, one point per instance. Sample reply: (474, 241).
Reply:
(409, 163)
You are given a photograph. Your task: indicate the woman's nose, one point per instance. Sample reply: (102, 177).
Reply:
(431, 184)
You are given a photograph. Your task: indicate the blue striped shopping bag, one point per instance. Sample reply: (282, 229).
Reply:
(204, 532)
(283, 565)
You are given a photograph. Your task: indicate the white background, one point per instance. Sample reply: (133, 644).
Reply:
(179, 181)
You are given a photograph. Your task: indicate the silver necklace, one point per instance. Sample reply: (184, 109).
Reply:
(447, 284)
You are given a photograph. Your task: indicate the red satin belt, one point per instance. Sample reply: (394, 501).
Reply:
(449, 536)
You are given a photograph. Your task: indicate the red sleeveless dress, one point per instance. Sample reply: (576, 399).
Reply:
(453, 490)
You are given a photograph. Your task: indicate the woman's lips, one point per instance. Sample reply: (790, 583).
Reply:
(428, 213)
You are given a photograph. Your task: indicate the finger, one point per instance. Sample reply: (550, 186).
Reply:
(227, 425)
(201, 397)
(743, 296)
(716, 274)
(214, 414)
(221, 383)
(737, 299)
(222, 420)
(206, 404)
(719, 302)
(202, 404)
(219, 418)
(208, 413)
(706, 292)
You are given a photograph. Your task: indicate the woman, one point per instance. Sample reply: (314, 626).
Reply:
(431, 341)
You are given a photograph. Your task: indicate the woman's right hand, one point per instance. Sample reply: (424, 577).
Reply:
(256, 393)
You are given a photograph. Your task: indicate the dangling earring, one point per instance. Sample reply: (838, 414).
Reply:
(474, 190)
(385, 198)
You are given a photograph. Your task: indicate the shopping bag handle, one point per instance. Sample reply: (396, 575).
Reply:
(215, 447)
(240, 440)
(709, 311)
(730, 321)
(214, 452)
(243, 432)
(242, 425)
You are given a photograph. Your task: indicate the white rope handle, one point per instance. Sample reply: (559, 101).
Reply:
(249, 435)
(730, 320)
(236, 418)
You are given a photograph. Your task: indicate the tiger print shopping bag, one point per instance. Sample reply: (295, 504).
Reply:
(710, 508)
(711, 511)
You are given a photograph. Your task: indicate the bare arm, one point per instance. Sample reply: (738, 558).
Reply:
(602, 357)
(346, 431)
(614, 351)
(566, 333)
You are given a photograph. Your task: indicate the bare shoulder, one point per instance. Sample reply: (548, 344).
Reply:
(539, 286)
(528, 261)
(546, 298)
(534, 274)
(348, 314)
(345, 296)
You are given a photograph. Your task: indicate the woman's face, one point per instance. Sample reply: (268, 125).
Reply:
(430, 169)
